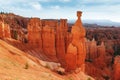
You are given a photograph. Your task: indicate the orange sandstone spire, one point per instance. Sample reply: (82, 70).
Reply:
(78, 22)
(4, 29)
(76, 51)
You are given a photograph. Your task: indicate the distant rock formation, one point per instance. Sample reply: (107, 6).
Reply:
(99, 60)
(116, 66)
(94, 51)
(91, 49)
(76, 51)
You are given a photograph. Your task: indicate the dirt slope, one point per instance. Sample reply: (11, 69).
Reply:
(16, 65)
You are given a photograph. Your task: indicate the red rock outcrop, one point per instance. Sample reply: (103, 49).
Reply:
(1, 29)
(48, 37)
(100, 63)
(116, 66)
(76, 51)
(92, 49)
(35, 32)
(60, 41)
(4, 30)
(51, 23)
(101, 50)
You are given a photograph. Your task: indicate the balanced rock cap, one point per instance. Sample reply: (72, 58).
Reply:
(79, 13)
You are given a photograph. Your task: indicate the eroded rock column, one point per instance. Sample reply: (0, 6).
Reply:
(48, 37)
(4, 29)
(76, 51)
(1, 29)
(61, 35)
(35, 33)
(116, 75)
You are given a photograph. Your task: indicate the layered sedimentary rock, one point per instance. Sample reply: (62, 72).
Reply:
(101, 50)
(48, 37)
(51, 37)
(76, 51)
(61, 41)
(1, 29)
(7, 33)
(51, 23)
(4, 30)
(54, 41)
(94, 51)
(100, 62)
(35, 32)
(116, 66)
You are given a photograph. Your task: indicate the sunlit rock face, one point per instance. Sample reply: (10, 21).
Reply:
(61, 39)
(48, 37)
(35, 32)
(51, 23)
(54, 40)
(1, 29)
(116, 68)
(4, 29)
(76, 51)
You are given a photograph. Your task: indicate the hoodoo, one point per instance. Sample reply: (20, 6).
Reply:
(4, 29)
(76, 51)
(34, 32)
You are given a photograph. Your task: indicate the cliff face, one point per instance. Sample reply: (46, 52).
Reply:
(42, 35)
(61, 41)
(48, 37)
(53, 41)
(34, 33)
(17, 24)
(4, 29)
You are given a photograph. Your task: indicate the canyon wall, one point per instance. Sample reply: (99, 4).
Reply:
(35, 33)
(49, 37)
(53, 38)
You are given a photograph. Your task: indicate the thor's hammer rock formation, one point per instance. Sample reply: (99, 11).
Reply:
(76, 51)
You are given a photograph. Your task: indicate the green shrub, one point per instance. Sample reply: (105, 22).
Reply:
(15, 35)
